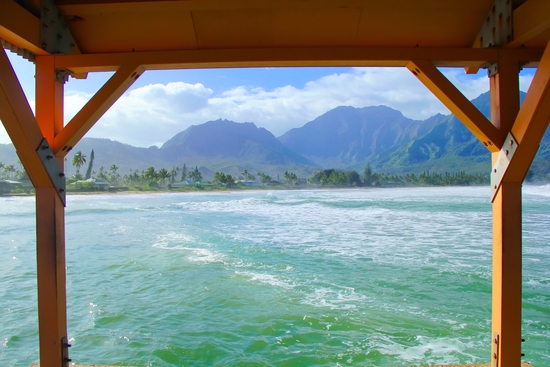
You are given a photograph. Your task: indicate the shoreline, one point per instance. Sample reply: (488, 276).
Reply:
(237, 190)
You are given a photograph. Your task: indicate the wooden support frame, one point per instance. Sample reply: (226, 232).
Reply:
(272, 57)
(459, 105)
(530, 19)
(19, 27)
(50, 228)
(530, 124)
(507, 223)
(83, 121)
(20, 123)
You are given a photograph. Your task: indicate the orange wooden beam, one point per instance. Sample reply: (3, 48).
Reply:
(50, 227)
(83, 121)
(19, 27)
(506, 295)
(531, 122)
(530, 19)
(459, 105)
(258, 57)
(507, 239)
(20, 124)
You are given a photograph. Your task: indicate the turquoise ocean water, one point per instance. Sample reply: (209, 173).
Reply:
(380, 277)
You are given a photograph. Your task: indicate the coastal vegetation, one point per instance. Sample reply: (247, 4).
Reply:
(180, 179)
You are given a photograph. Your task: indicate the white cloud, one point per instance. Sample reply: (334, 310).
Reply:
(154, 113)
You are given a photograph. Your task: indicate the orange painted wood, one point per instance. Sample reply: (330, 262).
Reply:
(105, 97)
(507, 222)
(304, 56)
(507, 258)
(459, 105)
(531, 122)
(20, 124)
(50, 228)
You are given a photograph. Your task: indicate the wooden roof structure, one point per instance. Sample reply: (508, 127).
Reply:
(71, 38)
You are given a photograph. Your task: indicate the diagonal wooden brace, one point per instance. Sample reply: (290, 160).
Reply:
(530, 125)
(457, 103)
(83, 121)
(21, 126)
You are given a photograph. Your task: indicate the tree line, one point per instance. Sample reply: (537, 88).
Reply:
(163, 177)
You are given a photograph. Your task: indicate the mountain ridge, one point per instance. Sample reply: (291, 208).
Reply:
(342, 138)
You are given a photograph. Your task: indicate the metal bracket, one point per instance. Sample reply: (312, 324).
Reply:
(492, 70)
(62, 75)
(55, 37)
(497, 30)
(501, 165)
(65, 351)
(496, 342)
(52, 167)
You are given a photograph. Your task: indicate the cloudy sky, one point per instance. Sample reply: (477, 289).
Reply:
(162, 103)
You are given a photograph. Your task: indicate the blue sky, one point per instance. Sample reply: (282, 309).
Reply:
(162, 103)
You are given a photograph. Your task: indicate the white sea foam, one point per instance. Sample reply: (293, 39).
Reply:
(543, 190)
(335, 298)
(183, 242)
(427, 349)
(266, 279)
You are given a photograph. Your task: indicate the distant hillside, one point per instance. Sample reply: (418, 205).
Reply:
(230, 147)
(449, 146)
(346, 136)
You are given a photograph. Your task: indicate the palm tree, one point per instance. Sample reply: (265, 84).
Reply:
(79, 160)
(1, 168)
(10, 170)
(173, 173)
(114, 176)
(163, 174)
(150, 174)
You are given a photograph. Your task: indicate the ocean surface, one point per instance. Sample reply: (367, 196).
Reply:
(372, 277)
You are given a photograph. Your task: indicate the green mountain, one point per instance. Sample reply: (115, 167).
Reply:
(449, 146)
(347, 136)
(344, 138)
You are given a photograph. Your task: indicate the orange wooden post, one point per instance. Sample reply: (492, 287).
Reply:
(507, 236)
(50, 227)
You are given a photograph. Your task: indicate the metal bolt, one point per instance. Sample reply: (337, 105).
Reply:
(61, 190)
(511, 142)
(495, 355)
(61, 175)
(68, 360)
(523, 354)
(507, 152)
(523, 340)
(49, 157)
(495, 170)
(495, 340)
(495, 187)
(45, 147)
